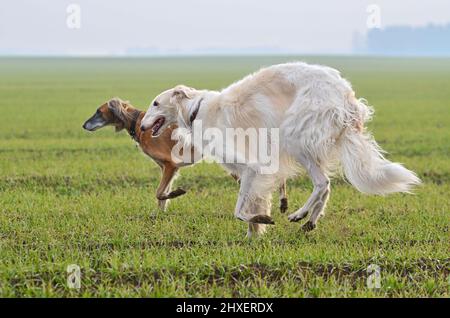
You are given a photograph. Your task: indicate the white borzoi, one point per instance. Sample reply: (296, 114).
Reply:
(321, 124)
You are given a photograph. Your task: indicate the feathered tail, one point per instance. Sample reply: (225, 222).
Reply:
(364, 164)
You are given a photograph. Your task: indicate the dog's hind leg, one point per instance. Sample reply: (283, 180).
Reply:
(253, 205)
(283, 197)
(256, 228)
(318, 199)
(250, 201)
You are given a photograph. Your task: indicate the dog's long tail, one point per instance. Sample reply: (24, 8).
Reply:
(363, 162)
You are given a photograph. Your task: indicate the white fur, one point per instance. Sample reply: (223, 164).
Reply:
(321, 125)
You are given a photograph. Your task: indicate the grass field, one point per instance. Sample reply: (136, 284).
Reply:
(71, 197)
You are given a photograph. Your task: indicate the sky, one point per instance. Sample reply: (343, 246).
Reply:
(119, 27)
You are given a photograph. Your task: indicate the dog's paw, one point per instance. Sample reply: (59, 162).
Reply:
(308, 226)
(297, 216)
(283, 205)
(261, 219)
(176, 193)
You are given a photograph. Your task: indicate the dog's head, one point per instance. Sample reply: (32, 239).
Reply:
(112, 113)
(166, 107)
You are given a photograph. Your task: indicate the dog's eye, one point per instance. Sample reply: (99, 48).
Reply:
(155, 103)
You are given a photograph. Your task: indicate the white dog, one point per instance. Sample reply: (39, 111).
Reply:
(321, 124)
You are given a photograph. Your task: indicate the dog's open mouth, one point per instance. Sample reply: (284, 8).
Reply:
(157, 125)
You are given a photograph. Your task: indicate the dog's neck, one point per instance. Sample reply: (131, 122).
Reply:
(132, 126)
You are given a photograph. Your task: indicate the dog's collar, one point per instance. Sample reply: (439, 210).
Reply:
(195, 112)
(132, 129)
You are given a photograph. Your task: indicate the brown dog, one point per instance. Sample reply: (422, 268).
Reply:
(122, 115)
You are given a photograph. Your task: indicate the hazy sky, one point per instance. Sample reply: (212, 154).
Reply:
(195, 26)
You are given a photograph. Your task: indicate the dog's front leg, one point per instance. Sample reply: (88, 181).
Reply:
(168, 172)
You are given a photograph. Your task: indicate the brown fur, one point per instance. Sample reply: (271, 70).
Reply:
(121, 114)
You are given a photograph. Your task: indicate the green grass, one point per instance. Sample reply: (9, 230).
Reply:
(71, 197)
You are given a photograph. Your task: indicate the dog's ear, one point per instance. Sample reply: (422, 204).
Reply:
(116, 108)
(181, 92)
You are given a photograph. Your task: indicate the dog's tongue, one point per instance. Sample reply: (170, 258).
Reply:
(157, 126)
(155, 129)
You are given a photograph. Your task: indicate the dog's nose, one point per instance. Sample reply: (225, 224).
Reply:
(143, 128)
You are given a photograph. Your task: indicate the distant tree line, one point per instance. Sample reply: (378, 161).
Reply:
(431, 40)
